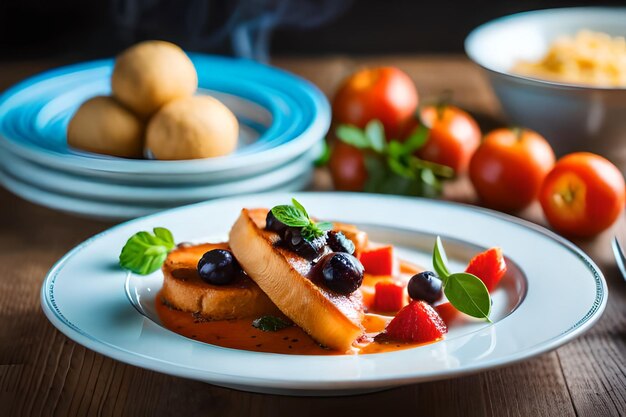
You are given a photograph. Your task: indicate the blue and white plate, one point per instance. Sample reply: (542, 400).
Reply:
(281, 115)
(538, 306)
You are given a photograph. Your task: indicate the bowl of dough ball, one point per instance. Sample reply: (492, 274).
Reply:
(561, 72)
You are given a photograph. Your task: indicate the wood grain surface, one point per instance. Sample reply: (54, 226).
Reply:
(43, 373)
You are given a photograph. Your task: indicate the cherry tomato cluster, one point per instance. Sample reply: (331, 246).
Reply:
(581, 194)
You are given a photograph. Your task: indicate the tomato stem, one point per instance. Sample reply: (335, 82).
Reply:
(518, 132)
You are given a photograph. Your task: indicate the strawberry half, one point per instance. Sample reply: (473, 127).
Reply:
(489, 266)
(417, 322)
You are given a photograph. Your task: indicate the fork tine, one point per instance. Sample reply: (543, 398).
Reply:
(620, 258)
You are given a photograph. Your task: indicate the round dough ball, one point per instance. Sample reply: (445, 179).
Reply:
(192, 128)
(102, 125)
(150, 74)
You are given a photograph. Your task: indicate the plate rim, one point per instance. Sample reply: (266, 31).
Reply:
(107, 349)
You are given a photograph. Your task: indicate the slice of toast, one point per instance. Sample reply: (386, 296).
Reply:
(184, 290)
(332, 319)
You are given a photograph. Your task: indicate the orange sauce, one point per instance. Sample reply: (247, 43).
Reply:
(240, 334)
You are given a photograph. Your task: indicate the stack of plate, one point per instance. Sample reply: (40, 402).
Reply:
(282, 118)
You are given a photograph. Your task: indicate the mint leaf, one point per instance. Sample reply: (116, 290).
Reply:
(300, 207)
(324, 226)
(468, 294)
(144, 253)
(440, 260)
(290, 216)
(270, 323)
(311, 231)
(352, 135)
(375, 131)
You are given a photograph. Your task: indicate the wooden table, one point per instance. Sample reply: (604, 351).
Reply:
(44, 373)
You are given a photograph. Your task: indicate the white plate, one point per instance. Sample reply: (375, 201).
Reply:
(111, 210)
(561, 293)
(164, 196)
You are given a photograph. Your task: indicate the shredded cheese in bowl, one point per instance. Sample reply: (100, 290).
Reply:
(592, 58)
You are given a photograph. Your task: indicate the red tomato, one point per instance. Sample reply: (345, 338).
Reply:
(454, 136)
(384, 93)
(347, 167)
(509, 166)
(583, 194)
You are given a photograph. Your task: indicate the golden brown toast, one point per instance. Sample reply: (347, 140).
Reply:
(332, 319)
(184, 290)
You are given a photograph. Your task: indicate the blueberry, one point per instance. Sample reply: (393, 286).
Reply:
(273, 224)
(219, 267)
(342, 272)
(425, 286)
(308, 249)
(338, 242)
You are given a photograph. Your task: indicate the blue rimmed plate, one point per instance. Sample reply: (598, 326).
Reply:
(282, 116)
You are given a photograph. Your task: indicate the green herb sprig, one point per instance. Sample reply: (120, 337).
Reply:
(270, 323)
(465, 291)
(295, 215)
(144, 252)
(391, 166)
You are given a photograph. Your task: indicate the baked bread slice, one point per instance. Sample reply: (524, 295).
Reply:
(183, 289)
(332, 319)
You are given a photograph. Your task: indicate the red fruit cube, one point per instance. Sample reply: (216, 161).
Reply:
(379, 261)
(447, 312)
(389, 297)
(489, 266)
(417, 322)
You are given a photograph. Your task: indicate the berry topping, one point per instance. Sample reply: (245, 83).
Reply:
(379, 261)
(308, 249)
(219, 267)
(417, 322)
(341, 272)
(338, 242)
(389, 297)
(489, 266)
(273, 224)
(425, 286)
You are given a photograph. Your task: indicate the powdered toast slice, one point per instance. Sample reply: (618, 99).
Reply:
(333, 320)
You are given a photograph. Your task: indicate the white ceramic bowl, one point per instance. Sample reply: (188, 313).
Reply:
(572, 117)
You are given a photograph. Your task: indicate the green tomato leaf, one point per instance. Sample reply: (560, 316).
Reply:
(416, 140)
(395, 149)
(440, 260)
(290, 215)
(144, 252)
(352, 135)
(399, 169)
(270, 323)
(375, 131)
(324, 157)
(468, 294)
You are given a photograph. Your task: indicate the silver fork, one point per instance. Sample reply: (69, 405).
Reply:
(620, 258)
